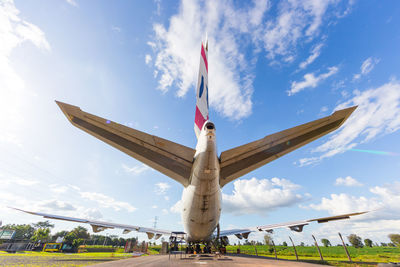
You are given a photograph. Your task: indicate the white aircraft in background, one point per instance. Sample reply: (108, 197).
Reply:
(201, 171)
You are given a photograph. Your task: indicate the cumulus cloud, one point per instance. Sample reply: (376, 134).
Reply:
(384, 204)
(260, 196)
(347, 181)
(136, 170)
(228, 25)
(366, 67)
(315, 52)
(378, 114)
(162, 188)
(91, 213)
(310, 80)
(107, 201)
(57, 205)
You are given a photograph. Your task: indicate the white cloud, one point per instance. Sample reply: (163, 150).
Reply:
(177, 207)
(315, 52)
(17, 181)
(116, 29)
(310, 80)
(154, 206)
(56, 188)
(136, 170)
(297, 21)
(324, 109)
(14, 31)
(378, 113)
(107, 201)
(384, 205)
(164, 211)
(260, 196)
(72, 2)
(57, 205)
(176, 47)
(366, 67)
(147, 59)
(347, 181)
(91, 213)
(161, 188)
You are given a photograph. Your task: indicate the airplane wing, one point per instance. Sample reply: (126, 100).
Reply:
(99, 226)
(169, 158)
(294, 226)
(238, 161)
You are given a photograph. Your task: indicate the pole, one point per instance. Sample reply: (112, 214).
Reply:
(255, 248)
(319, 251)
(295, 251)
(273, 244)
(345, 248)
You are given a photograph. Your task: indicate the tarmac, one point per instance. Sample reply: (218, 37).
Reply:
(203, 259)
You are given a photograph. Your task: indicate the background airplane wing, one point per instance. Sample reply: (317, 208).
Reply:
(169, 158)
(238, 161)
(99, 226)
(294, 226)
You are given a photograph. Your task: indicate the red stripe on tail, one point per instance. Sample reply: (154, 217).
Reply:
(203, 55)
(199, 119)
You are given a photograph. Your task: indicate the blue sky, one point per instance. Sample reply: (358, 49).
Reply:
(272, 66)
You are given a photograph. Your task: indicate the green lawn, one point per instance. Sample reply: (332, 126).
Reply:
(366, 254)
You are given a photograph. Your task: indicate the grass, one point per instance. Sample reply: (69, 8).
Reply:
(330, 254)
(58, 259)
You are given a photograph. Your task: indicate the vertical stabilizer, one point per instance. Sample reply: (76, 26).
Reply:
(202, 91)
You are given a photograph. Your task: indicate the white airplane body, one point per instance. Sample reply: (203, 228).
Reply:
(201, 171)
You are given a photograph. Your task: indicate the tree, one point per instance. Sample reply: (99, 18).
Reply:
(268, 239)
(284, 244)
(45, 224)
(302, 244)
(70, 237)
(368, 242)
(41, 234)
(355, 241)
(395, 238)
(326, 242)
(81, 232)
(77, 242)
(22, 231)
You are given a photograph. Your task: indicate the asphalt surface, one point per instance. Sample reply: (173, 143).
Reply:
(209, 260)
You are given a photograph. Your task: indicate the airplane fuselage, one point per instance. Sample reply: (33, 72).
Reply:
(201, 199)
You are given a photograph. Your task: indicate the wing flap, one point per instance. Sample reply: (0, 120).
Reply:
(169, 158)
(238, 161)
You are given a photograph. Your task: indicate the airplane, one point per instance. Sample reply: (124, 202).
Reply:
(200, 171)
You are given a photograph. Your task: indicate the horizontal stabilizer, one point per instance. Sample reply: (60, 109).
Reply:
(169, 158)
(238, 161)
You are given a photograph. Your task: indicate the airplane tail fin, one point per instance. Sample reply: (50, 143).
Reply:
(202, 91)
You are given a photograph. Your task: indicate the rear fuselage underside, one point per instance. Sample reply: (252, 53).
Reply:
(201, 199)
